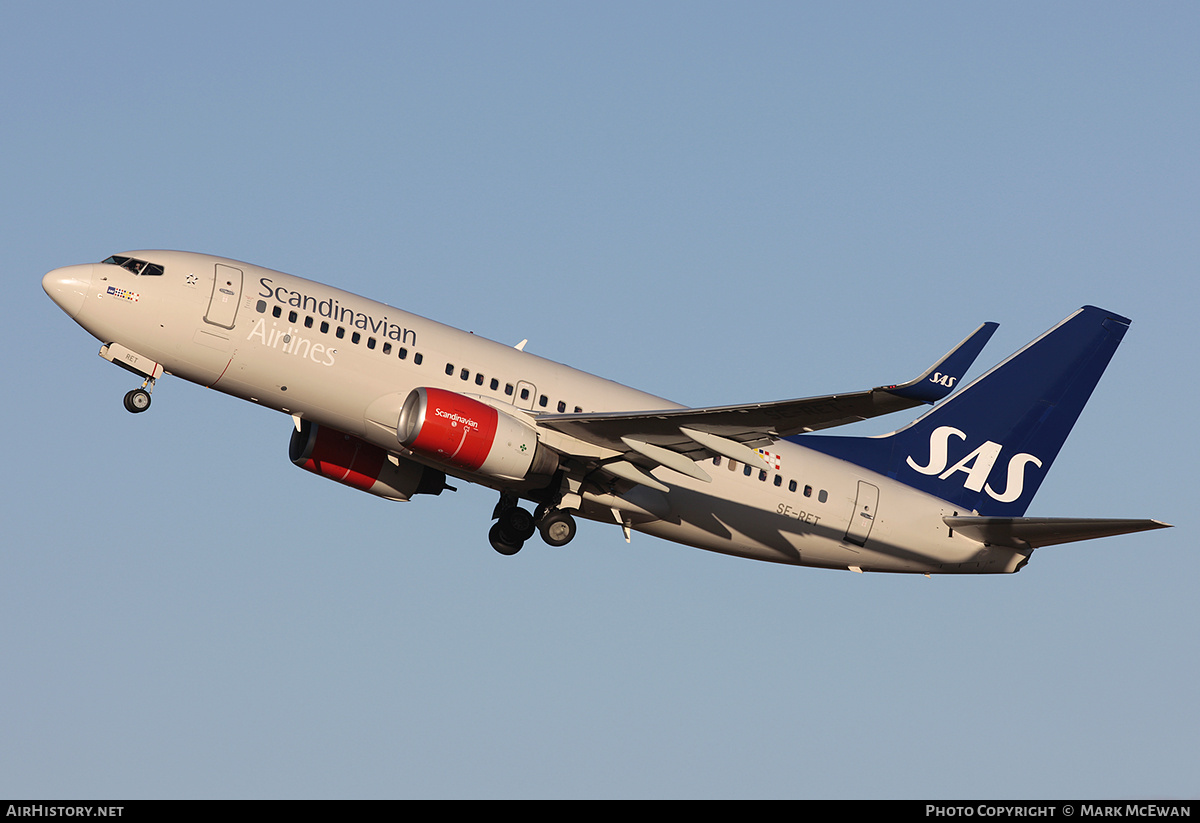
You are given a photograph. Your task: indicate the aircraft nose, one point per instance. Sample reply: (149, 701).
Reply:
(69, 286)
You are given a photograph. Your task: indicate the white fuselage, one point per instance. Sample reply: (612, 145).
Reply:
(322, 354)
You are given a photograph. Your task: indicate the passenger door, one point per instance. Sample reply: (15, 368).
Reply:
(865, 510)
(226, 294)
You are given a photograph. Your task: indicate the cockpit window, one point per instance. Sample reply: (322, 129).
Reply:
(136, 266)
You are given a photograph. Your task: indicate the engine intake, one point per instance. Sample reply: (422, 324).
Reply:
(354, 462)
(464, 433)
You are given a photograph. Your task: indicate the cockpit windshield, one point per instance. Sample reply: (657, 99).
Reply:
(136, 266)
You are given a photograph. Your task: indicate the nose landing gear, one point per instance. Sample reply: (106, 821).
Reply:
(138, 400)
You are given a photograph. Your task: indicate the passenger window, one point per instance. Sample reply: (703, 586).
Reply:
(308, 322)
(479, 380)
(778, 480)
(324, 327)
(277, 312)
(387, 348)
(808, 491)
(340, 333)
(823, 496)
(791, 485)
(508, 389)
(403, 353)
(355, 337)
(748, 470)
(417, 358)
(293, 317)
(449, 369)
(562, 407)
(261, 306)
(495, 384)
(464, 374)
(370, 342)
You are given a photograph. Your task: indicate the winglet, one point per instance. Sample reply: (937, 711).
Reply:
(941, 378)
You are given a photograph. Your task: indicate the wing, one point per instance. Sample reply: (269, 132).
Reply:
(676, 438)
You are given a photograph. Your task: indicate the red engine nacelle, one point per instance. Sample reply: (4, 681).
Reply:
(464, 433)
(359, 464)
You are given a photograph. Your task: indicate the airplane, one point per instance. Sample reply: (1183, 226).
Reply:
(394, 404)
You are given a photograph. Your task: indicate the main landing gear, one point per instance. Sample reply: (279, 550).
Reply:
(557, 527)
(514, 525)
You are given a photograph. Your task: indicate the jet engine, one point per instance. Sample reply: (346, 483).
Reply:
(359, 464)
(464, 433)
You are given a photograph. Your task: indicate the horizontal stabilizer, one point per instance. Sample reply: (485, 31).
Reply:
(1033, 532)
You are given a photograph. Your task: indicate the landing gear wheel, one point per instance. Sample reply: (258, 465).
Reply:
(517, 523)
(502, 542)
(137, 401)
(557, 528)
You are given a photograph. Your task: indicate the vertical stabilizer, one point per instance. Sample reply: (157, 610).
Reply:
(988, 448)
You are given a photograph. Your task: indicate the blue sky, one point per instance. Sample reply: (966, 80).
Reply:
(720, 203)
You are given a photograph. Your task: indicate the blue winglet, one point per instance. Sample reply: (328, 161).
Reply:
(944, 375)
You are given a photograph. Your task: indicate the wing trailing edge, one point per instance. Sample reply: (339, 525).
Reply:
(677, 438)
(699, 433)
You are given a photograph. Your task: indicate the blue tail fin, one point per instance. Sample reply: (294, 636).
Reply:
(988, 448)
